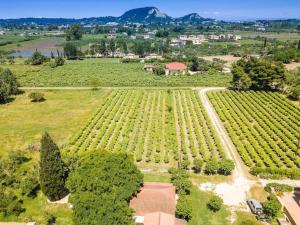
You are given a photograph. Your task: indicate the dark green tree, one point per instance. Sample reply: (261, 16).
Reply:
(198, 164)
(37, 58)
(180, 179)
(215, 203)
(74, 33)
(265, 43)
(101, 186)
(53, 172)
(184, 208)
(70, 51)
(298, 45)
(211, 167)
(8, 85)
(226, 167)
(272, 207)
(240, 80)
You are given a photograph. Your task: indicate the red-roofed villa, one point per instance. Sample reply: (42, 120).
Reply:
(176, 68)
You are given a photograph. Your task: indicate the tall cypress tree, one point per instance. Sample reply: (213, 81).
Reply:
(299, 45)
(53, 171)
(265, 43)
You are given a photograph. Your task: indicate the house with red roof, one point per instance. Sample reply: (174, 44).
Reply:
(176, 68)
(156, 205)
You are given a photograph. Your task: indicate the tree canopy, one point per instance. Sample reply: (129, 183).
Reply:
(258, 74)
(101, 186)
(74, 33)
(53, 171)
(8, 85)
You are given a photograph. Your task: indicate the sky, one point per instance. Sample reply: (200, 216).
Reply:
(219, 9)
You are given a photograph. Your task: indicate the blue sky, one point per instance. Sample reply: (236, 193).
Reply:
(219, 9)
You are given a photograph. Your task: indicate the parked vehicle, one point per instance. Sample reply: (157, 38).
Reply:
(255, 206)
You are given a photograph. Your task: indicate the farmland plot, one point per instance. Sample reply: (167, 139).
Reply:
(264, 128)
(156, 126)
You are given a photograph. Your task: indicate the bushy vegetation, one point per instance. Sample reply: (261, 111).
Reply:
(17, 182)
(36, 96)
(215, 204)
(53, 172)
(101, 186)
(272, 207)
(258, 74)
(264, 127)
(180, 179)
(8, 85)
(74, 33)
(37, 59)
(278, 188)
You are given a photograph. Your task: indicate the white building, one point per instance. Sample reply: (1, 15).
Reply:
(195, 39)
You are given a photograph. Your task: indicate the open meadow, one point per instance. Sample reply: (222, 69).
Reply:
(108, 73)
(22, 122)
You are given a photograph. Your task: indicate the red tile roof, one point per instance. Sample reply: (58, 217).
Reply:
(155, 197)
(176, 66)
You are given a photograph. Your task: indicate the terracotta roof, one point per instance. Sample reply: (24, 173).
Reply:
(159, 218)
(154, 197)
(290, 203)
(176, 66)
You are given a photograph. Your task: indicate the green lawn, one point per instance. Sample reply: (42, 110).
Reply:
(108, 73)
(22, 122)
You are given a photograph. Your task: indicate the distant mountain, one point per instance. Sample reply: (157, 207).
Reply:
(144, 15)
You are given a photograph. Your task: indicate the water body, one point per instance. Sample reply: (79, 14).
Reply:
(29, 54)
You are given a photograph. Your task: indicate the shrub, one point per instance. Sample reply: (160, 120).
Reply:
(279, 188)
(226, 167)
(58, 61)
(184, 209)
(37, 59)
(180, 179)
(272, 207)
(198, 164)
(211, 167)
(36, 97)
(215, 203)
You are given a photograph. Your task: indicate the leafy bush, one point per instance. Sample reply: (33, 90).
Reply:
(226, 167)
(36, 97)
(9, 203)
(198, 164)
(211, 167)
(58, 61)
(215, 203)
(279, 188)
(183, 208)
(272, 207)
(180, 179)
(37, 59)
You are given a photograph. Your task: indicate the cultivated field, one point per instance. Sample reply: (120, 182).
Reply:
(264, 128)
(108, 73)
(156, 126)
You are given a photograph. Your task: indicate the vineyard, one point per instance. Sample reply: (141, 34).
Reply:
(264, 127)
(156, 126)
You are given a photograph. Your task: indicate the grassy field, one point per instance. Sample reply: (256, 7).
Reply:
(263, 126)
(157, 126)
(108, 73)
(22, 122)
